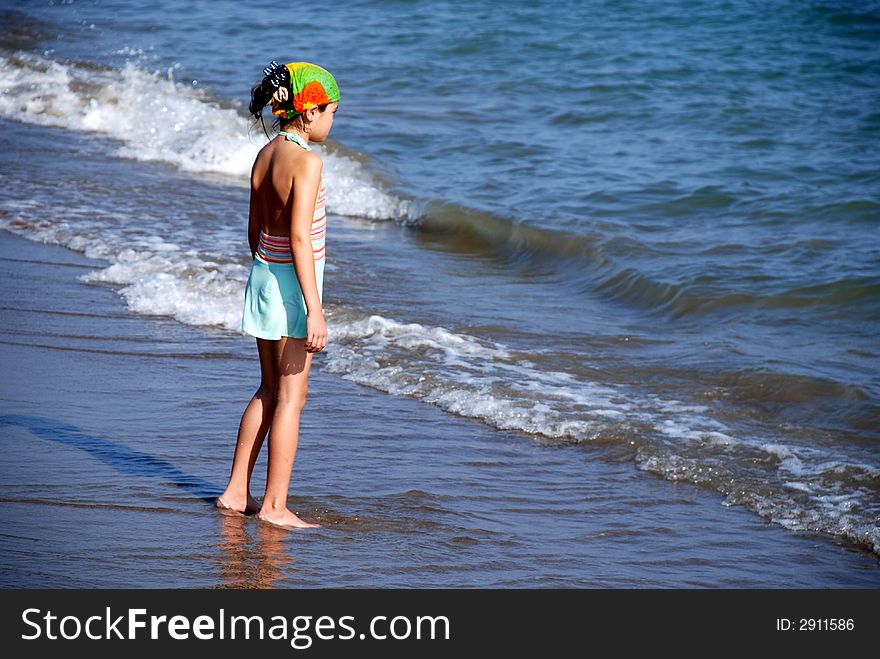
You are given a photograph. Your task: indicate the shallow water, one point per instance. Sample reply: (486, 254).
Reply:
(673, 261)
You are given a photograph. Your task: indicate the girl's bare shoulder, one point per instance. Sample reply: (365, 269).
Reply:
(299, 162)
(292, 161)
(311, 161)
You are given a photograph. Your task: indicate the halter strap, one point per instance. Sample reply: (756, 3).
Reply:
(293, 137)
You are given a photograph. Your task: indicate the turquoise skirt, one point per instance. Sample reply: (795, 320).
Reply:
(273, 300)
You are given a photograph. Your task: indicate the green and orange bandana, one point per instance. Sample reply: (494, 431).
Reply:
(311, 86)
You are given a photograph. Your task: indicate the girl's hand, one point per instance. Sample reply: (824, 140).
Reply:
(316, 330)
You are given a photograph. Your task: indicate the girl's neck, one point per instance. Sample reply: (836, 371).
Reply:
(295, 131)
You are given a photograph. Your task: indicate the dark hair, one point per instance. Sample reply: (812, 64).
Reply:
(274, 76)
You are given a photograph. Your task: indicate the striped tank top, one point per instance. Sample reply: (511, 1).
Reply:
(276, 249)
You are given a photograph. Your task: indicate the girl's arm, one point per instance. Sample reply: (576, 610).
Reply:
(253, 223)
(306, 184)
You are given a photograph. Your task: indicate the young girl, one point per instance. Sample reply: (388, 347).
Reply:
(283, 297)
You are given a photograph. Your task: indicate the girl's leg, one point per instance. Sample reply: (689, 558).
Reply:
(251, 432)
(294, 363)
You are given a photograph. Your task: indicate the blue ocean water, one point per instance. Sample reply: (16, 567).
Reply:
(651, 225)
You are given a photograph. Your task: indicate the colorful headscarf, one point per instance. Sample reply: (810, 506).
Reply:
(311, 86)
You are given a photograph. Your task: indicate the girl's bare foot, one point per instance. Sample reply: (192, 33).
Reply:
(286, 519)
(228, 502)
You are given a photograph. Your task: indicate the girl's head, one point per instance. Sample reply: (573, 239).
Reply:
(303, 96)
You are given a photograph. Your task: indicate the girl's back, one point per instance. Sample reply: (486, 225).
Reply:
(272, 183)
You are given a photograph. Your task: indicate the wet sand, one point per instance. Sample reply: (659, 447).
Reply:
(118, 430)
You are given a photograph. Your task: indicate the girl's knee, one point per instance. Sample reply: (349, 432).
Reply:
(268, 393)
(297, 396)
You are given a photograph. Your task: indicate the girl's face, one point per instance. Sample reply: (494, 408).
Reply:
(322, 123)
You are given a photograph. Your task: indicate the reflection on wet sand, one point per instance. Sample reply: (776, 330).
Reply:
(252, 555)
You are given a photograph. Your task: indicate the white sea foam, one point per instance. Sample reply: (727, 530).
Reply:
(479, 378)
(157, 118)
